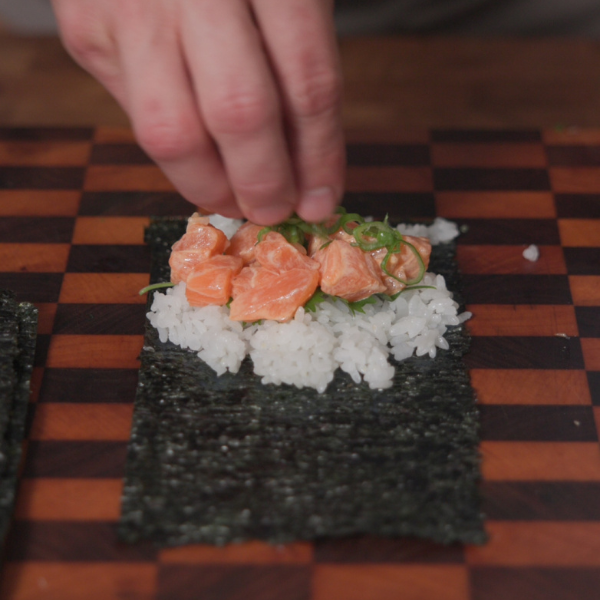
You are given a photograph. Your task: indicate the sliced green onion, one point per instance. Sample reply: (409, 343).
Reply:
(155, 286)
(262, 233)
(422, 267)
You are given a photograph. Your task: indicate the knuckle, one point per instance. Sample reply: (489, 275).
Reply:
(240, 112)
(84, 48)
(167, 139)
(81, 37)
(316, 93)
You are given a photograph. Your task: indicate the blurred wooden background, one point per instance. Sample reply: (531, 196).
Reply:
(390, 83)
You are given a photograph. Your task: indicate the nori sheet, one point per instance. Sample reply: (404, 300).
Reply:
(223, 459)
(18, 329)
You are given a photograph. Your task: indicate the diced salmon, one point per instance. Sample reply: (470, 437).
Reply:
(273, 296)
(275, 253)
(404, 264)
(245, 280)
(342, 234)
(243, 241)
(409, 260)
(195, 221)
(348, 272)
(210, 282)
(315, 243)
(197, 244)
(394, 266)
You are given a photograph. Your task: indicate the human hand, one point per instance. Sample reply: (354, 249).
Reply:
(238, 101)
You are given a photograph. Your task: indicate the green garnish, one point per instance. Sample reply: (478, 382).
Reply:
(294, 230)
(315, 300)
(359, 305)
(319, 296)
(155, 286)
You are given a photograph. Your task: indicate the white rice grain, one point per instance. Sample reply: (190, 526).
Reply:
(531, 253)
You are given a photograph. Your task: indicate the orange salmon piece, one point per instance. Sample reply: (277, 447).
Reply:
(211, 281)
(273, 296)
(403, 264)
(243, 242)
(198, 244)
(195, 221)
(407, 256)
(395, 267)
(315, 243)
(246, 279)
(276, 254)
(348, 272)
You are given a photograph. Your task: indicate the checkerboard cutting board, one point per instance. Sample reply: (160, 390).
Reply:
(73, 205)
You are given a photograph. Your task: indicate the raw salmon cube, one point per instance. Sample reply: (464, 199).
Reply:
(276, 254)
(408, 259)
(198, 244)
(274, 296)
(348, 272)
(243, 241)
(211, 281)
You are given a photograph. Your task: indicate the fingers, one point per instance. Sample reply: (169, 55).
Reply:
(85, 30)
(165, 117)
(305, 61)
(239, 102)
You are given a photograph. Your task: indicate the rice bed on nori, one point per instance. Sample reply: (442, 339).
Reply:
(220, 459)
(18, 327)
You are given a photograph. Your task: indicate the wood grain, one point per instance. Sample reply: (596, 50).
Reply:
(34, 203)
(48, 154)
(527, 320)
(389, 582)
(575, 180)
(503, 205)
(485, 155)
(540, 461)
(110, 230)
(103, 288)
(34, 258)
(591, 353)
(387, 179)
(95, 351)
(509, 260)
(81, 421)
(540, 417)
(579, 232)
(539, 544)
(123, 178)
(530, 386)
(248, 553)
(73, 581)
(69, 499)
(585, 290)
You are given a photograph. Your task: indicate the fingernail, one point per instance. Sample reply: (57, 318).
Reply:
(317, 204)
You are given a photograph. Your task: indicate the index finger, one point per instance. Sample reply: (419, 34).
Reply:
(305, 58)
(239, 102)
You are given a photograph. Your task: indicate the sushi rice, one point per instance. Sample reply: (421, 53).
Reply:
(307, 350)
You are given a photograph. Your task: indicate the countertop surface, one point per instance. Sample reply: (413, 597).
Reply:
(73, 206)
(499, 135)
(389, 83)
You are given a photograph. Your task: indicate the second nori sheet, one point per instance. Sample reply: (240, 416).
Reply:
(221, 459)
(18, 329)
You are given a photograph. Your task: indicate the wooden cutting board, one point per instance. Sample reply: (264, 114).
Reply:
(73, 205)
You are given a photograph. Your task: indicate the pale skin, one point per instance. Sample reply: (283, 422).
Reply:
(238, 101)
